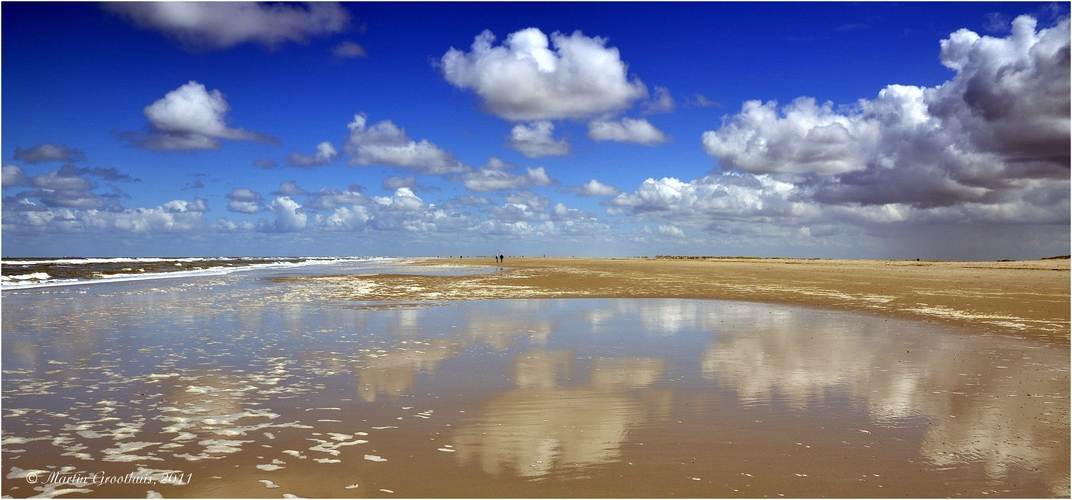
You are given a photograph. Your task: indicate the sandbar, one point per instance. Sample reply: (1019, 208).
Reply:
(1024, 298)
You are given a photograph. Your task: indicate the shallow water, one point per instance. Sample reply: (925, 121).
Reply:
(245, 387)
(29, 273)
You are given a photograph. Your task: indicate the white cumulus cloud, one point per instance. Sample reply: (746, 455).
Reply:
(64, 187)
(594, 188)
(47, 152)
(661, 102)
(289, 188)
(536, 139)
(349, 218)
(289, 216)
(495, 177)
(626, 130)
(13, 175)
(191, 118)
(330, 199)
(802, 137)
(183, 206)
(174, 216)
(394, 182)
(387, 144)
(529, 200)
(403, 200)
(995, 135)
(219, 25)
(245, 201)
(535, 77)
(325, 154)
(672, 231)
(1010, 95)
(701, 201)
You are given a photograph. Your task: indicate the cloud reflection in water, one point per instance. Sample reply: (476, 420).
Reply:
(541, 425)
(550, 388)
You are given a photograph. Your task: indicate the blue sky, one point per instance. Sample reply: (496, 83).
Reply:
(873, 130)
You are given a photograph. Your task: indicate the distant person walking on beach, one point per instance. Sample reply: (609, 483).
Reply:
(501, 258)
(496, 258)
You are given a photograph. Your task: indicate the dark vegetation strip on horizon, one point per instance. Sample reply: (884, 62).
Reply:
(741, 257)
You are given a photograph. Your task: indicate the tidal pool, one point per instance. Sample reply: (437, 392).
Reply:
(225, 388)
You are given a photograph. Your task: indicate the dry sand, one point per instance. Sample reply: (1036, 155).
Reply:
(1024, 298)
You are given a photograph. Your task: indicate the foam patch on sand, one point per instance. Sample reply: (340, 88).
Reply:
(333, 448)
(948, 312)
(121, 453)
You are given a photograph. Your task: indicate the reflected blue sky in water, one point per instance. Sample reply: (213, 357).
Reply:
(516, 391)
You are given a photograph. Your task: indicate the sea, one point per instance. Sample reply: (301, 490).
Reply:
(34, 273)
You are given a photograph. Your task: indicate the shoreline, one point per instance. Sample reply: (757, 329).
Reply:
(1022, 298)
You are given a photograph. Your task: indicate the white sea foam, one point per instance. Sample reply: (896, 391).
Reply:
(22, 278)
(53, 490)
(121, 452)
(41, 279)
(333, 448)
(223, 445)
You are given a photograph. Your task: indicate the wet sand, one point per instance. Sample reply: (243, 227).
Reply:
(381, 385)
(1025, 298)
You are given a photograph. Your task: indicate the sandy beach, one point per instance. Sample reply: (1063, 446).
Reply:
(1023, 298)
(458, 378)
